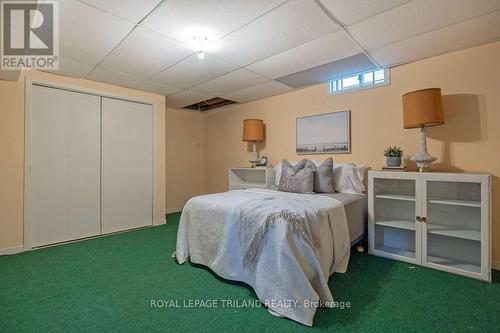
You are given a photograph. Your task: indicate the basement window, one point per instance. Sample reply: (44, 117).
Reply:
(360, 81)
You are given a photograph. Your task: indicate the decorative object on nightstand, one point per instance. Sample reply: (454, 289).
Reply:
(262, 161)
(393, 156)
(253, 131)
(438, 220)
(423, 108)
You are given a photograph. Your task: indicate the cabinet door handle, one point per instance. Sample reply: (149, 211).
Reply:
(424, 220)
(419, 219)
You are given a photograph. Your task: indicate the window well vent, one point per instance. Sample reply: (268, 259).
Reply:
(210, 104)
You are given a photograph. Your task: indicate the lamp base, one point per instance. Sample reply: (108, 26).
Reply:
(423, 159)
(253, 156)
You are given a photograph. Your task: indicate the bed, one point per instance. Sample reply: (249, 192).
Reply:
(284, 245)
(356, 210)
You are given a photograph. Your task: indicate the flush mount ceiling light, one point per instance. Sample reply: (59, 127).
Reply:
(200, 42)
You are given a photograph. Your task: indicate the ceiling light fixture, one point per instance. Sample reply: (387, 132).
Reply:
(200, 54)
(200, 42)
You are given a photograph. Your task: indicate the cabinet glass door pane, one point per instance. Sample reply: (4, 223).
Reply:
(394, 214)
(453, 235)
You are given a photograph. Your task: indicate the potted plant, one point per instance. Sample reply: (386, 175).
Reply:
(393, 155)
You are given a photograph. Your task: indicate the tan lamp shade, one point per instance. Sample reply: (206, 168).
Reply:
(253, 130)
(423, 108)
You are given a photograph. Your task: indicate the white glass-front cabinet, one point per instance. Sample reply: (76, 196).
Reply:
(438, 220)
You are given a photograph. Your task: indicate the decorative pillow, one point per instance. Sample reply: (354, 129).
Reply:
(297, 178)
(296, 166)
(323, 175)
(348, 178)
(278, 168)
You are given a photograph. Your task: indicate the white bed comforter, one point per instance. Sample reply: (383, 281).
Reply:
(290, 269)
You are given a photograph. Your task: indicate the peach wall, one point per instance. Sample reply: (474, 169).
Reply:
(469, 140)
(184, 135)
(11, 163)
(12, 99)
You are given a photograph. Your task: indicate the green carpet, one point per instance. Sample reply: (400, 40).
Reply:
(107, 284)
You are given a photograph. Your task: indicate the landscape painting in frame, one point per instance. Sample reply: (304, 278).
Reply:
(327, 133)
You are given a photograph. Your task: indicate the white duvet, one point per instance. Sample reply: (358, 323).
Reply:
(286, 260)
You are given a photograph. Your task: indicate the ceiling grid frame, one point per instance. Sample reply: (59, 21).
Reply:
(427, 32)
(128, 34)
(488, 8)
(332, 17)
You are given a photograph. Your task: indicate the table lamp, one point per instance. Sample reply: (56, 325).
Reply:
(253, 131)
(423, 108)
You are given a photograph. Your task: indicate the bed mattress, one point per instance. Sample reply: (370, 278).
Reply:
(356, 210)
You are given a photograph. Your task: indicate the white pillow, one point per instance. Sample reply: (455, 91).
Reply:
(348, 178)
(277, 170)
(277, 173)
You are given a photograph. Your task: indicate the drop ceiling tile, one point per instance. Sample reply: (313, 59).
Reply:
(145, 53)
(352, 11)
(230, 82)
(158, 88)
(292, 24)
(106, 75)
(343, 67)
(465, 34)
(416, 17)
(266, 89)
(185, 98)
(317, 52)
(131, 10)
(181, 19)
(192, 71)
(72, 68)
(86, 34)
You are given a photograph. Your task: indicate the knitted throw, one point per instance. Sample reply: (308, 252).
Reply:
(294, 222)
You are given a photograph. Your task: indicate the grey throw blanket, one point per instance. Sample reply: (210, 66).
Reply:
(293, 221)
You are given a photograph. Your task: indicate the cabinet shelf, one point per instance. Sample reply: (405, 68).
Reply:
(249, 184)
(454, 264)
(395, 197)
(396, 251)
(454, 232)
(400, 224)
(244, 178)
(465, 203)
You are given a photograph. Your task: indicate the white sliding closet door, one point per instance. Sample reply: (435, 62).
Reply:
(64, 166)
(85, 165)
(127, 165)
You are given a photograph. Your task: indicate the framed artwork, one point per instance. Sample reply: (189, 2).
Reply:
(326, 133)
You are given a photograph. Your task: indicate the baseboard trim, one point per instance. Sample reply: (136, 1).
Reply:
(160, 222)
(11, 250)
(19, 249)
(174, 210)
(495, 265)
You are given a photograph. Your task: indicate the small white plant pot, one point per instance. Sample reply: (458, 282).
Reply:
(393, 161)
